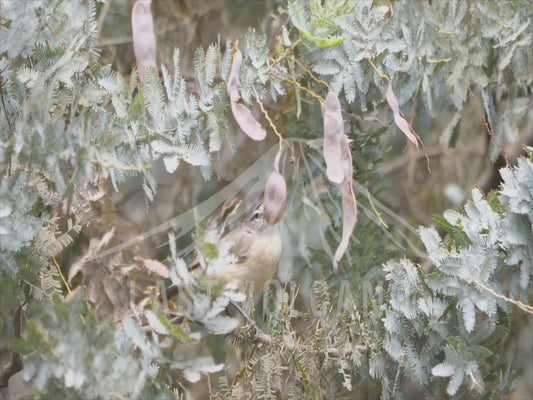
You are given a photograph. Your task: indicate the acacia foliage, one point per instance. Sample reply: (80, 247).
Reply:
(69, 124)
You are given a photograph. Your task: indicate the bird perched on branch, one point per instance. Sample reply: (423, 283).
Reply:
(256, 247)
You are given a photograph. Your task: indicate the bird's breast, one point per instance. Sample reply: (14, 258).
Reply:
(260, 263)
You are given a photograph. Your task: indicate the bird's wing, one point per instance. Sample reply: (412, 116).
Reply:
(242, 240)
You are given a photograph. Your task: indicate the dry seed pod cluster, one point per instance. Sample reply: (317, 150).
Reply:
(339, 169)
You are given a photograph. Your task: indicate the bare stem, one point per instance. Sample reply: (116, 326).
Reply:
(486, 123)
(15, 365)
(524, 307)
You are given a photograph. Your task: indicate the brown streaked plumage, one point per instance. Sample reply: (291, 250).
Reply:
(257, 246)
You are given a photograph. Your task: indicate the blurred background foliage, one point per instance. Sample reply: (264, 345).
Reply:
(397, 190)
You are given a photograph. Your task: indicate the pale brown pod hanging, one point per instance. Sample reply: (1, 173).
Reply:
(349, 203)
(242, 114)
(144, 44)
(333, 133)
(400, 121)
(275, 195)
(339, 170)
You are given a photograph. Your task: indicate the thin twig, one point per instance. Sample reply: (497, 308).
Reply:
(376, 212)
(268, 118)
(293, 82)
(244, 313)
(525, 307)
(307, 70)
(102, 16)
(5, 109)
(61, 275)
(382, 76)
(15, 365)
(486, 123)
(10, 134)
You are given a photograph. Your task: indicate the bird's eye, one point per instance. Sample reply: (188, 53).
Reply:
(258, 213)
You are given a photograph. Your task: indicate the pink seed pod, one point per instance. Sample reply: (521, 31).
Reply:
(333, 134)
(275, 195)
(339, 170)
(144, 43)
(242, 114)
(400, 121)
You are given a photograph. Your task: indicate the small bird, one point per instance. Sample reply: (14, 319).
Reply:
(256, 245)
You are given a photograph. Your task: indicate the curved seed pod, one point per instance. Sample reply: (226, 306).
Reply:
(275, 195)
(144, 44)
(233, 80)
(339, 170)
(400, 121)
(241, 113)
(333, 133)
(349, 203)
(247, 121)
